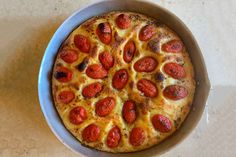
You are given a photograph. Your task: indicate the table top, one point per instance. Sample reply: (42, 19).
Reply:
(25, 29)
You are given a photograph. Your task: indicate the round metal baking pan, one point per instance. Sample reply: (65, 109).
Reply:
(149, 9)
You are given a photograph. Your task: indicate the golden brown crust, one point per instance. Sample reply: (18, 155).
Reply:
(176, 111)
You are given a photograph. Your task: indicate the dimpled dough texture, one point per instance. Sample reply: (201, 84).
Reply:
(154, 111)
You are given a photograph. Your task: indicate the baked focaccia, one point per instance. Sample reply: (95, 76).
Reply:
(122, 82)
